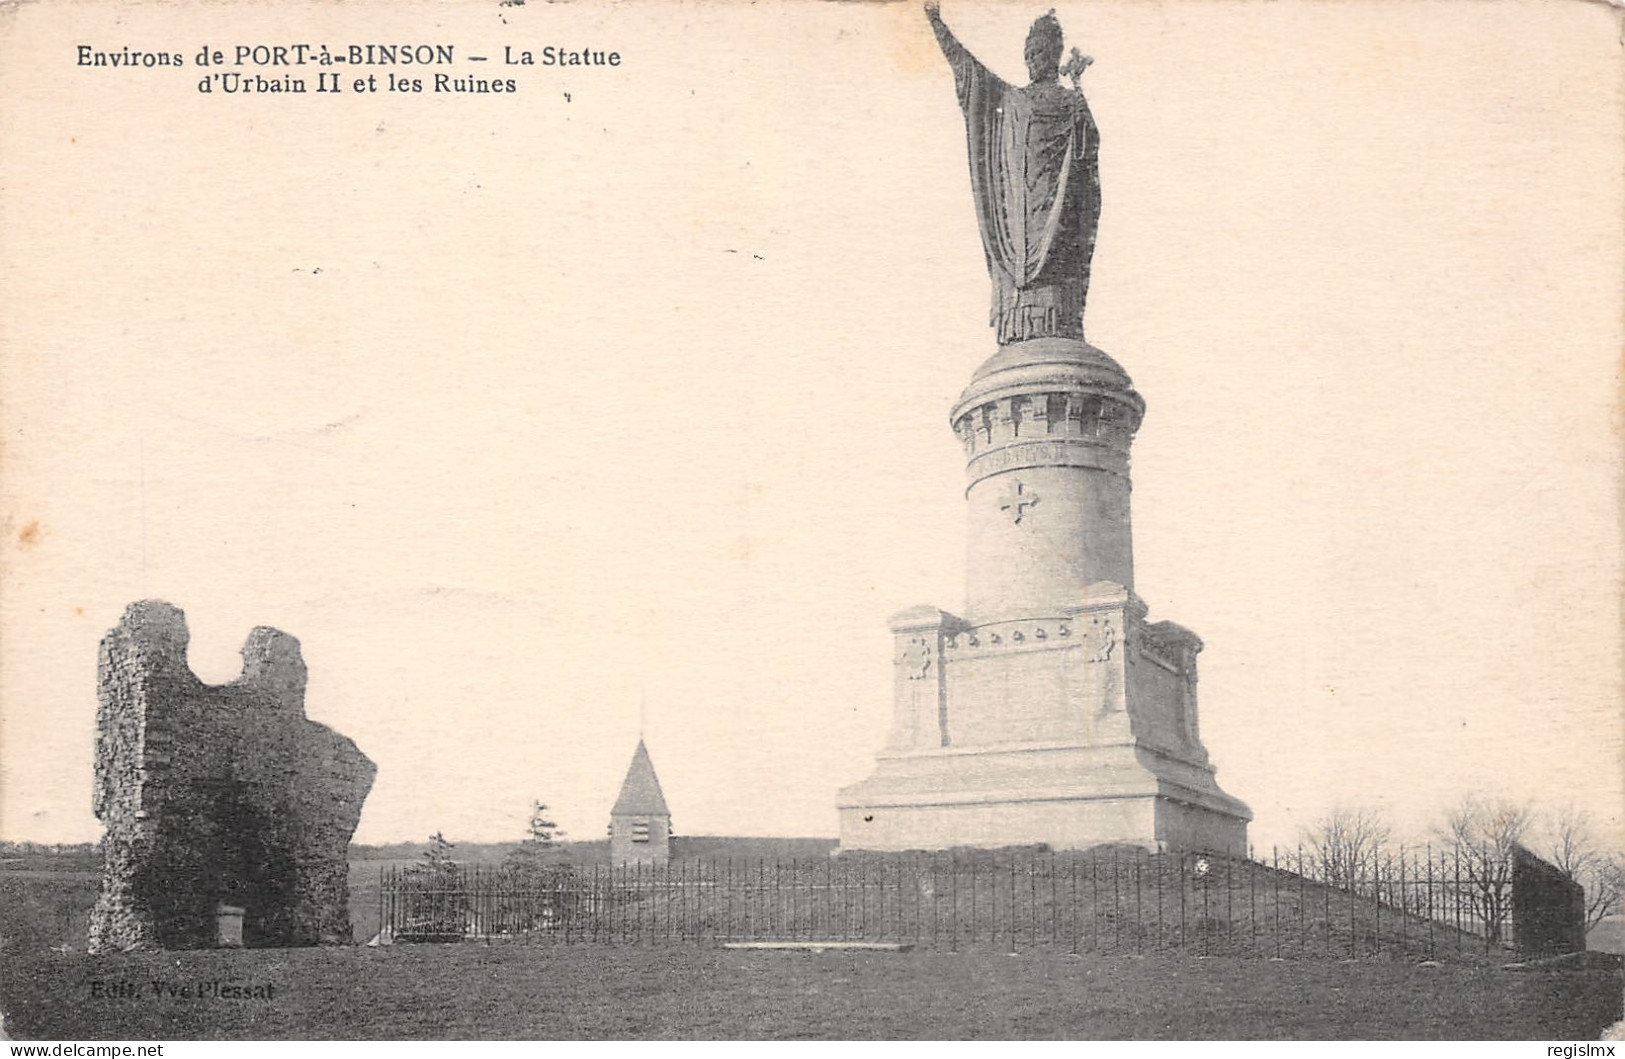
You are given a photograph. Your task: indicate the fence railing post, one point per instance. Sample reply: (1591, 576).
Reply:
(1074, 861)
(1354, 903)
(919, 898)
(863, 898)
(1094, 902)
(1013, 903)
(1204, 880)
(1456, 895)
(1275, 877)
(1252, 901)
(971, 941)
(1376, 904)
(1117, 903)
(1032, 896)
(1184, 934)
(1139, 908)
(1432, 952)
(1229, 906)
(1054, 912)
(1303, 931)
(1162, 930)
(1326, 901)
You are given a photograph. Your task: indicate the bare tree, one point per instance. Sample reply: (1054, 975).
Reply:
(1344, 846)
(1481, 834)
(1605, 888)
(1570, 843)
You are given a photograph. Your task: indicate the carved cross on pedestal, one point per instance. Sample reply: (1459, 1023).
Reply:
(1017, 500)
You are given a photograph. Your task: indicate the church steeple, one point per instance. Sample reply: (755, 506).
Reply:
(640, 822)
(640, 791)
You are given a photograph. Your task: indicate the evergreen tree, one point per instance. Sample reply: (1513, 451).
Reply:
(539, 849)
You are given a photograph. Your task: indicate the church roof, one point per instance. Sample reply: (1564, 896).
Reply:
(640, 791)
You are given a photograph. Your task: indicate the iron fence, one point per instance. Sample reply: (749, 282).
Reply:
(1287, 905)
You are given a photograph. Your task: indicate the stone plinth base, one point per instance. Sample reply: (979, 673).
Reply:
(1070, 731)
(1061, 797)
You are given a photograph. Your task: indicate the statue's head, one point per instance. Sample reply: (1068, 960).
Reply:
(1044, 48)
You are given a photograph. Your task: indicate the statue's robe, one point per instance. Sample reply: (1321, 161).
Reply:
(1035, 175)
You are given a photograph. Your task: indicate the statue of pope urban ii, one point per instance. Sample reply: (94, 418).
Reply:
(1035, 176)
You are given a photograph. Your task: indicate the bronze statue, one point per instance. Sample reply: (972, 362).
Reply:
(1035, 176)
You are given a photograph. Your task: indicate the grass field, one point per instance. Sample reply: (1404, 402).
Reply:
(554, 992)
(42, 909)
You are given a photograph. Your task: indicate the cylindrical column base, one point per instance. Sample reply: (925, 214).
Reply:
(1047, 427)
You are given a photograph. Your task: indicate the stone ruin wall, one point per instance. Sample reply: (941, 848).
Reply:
(217, 795)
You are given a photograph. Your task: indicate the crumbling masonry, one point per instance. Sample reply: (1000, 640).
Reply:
(217, 795)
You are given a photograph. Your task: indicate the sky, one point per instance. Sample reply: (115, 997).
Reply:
(618, 404)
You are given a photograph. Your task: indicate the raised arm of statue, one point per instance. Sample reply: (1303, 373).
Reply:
(968, 70)
(945, 36)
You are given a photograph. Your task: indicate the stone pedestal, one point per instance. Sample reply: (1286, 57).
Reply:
(228, 927)
(1053, 712)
